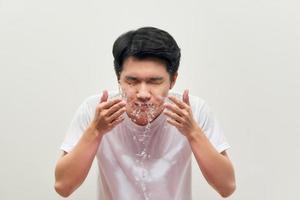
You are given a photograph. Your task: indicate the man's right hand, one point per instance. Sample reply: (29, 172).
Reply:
(108, 114)
(72, 168)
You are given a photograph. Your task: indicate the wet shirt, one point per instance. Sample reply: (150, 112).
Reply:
(150, 162)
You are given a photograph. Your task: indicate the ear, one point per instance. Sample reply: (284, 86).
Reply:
(173, 80)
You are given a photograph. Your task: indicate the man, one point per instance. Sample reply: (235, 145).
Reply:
(144, 140)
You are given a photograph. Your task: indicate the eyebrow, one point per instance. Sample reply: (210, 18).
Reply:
(159, 78)
(156, 79)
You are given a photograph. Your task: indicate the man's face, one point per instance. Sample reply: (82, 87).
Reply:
(145, 83)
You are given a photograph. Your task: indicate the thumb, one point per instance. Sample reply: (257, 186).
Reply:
(185, 97)
(104, 96)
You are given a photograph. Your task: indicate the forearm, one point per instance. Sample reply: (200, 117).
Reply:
(72, 169)
(216, 168)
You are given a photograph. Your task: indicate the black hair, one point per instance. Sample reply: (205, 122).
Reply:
(146, 42)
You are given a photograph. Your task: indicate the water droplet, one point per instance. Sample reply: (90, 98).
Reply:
(142, 140)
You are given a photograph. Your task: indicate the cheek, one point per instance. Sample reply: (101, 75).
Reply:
(130, 96)
(127, 92)
(160, 94)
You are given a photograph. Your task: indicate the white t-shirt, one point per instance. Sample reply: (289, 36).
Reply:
(137, 162)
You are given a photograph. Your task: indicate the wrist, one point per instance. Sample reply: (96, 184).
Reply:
(195, 135)
(93, 132)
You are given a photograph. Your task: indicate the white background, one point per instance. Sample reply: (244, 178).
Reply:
(241, 56)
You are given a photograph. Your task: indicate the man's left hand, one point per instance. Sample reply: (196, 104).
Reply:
(181, 116)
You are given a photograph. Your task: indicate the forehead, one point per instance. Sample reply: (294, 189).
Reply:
(144, 67)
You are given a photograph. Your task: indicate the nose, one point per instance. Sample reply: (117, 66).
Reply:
(143, 93)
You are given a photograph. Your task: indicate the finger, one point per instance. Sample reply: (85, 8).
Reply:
(173, 116)
(108, 104)
(117, 114)
(115, 108)
(174, 108)
(185, 97)
(179, 103)
(104, 96)
(117, 121)
(174, 123)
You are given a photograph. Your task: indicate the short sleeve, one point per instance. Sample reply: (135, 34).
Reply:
(211, 127)
(77, 127)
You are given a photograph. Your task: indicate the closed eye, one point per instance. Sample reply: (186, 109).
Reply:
(156, 80)
(131, 80)
(134, 80)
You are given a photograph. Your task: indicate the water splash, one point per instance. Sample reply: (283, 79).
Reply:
(121, 94)
(143, 138)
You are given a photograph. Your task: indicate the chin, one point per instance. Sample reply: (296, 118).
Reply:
(142, 121)
(143, 115)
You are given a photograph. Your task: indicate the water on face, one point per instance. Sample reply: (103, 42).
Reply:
(142, 139)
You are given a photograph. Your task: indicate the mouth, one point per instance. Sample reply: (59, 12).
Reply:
(142, 106)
